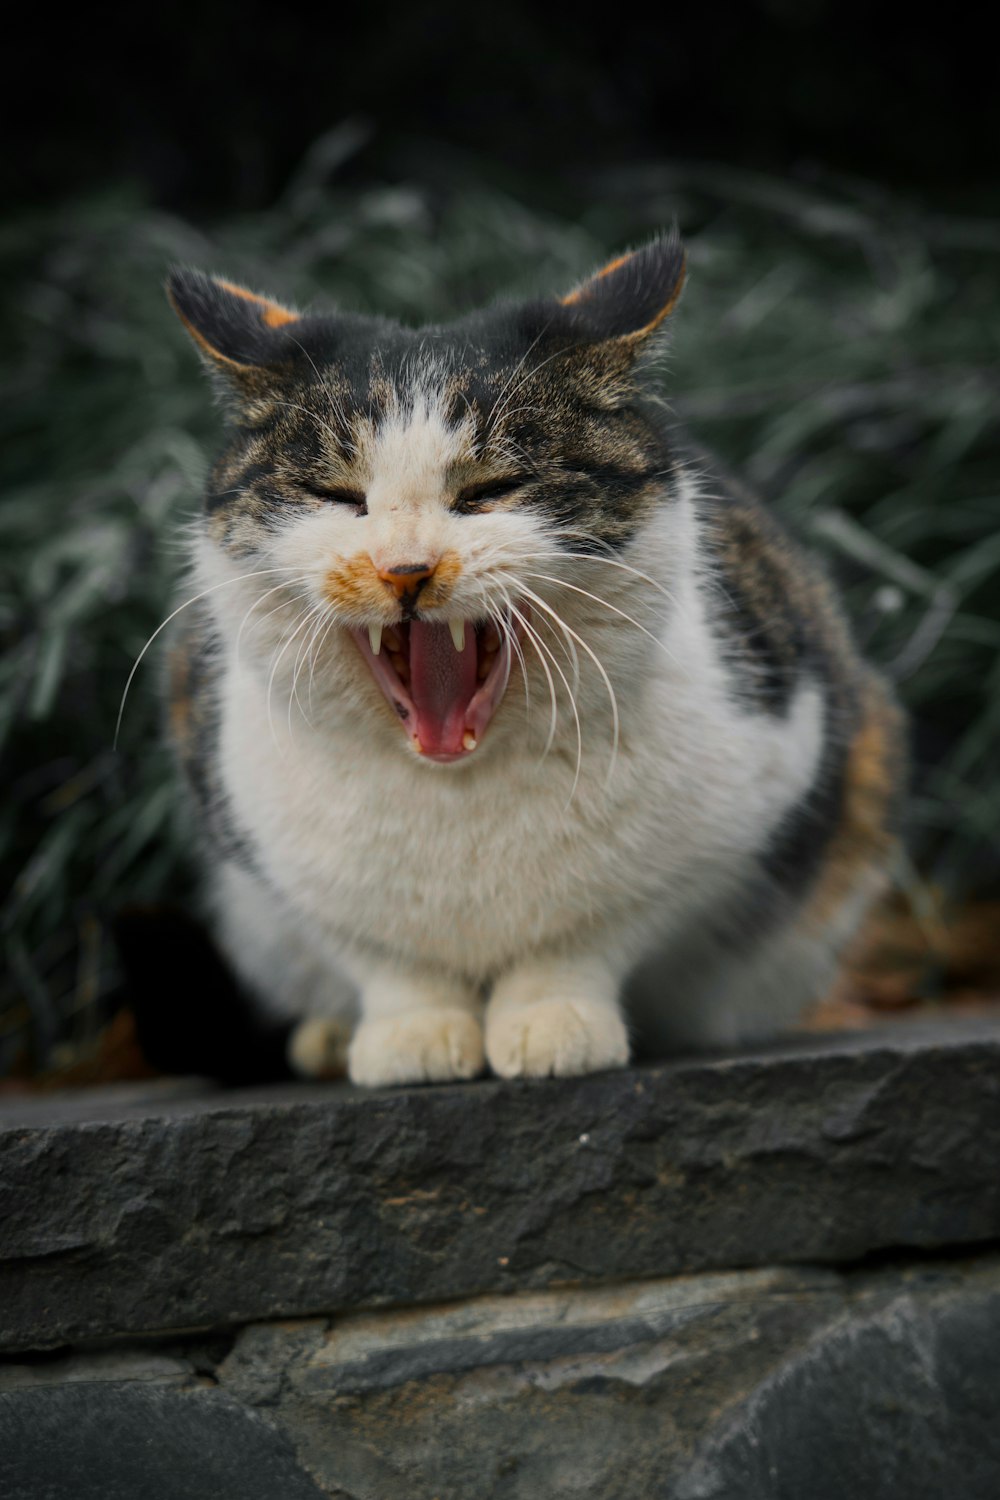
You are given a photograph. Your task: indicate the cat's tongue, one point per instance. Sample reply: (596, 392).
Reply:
(442, 684)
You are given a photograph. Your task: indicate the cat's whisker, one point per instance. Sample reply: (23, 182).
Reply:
(571, 656)
(611, 562)
(276, 660)
(530, 635)
(537, 600)
(316, 652)
(542, 646)
(301, 657)
(285, 584)
(509, 637)
(569, 649)
(258, 573)
(562, 583)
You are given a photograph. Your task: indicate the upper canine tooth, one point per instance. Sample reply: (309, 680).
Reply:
(375, 637)
(457, 628)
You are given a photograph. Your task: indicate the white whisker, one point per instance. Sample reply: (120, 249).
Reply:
(541, 646)
(301, 657)
(275, 664)
(562, 583)
(611, 562)
(545, 668)
(612, 698)
(509, 638)
(258, 573)
(316, 649)
(286, 583)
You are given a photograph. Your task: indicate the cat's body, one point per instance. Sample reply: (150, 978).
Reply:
(689, 798)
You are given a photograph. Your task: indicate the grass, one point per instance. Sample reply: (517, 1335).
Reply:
(835, 344)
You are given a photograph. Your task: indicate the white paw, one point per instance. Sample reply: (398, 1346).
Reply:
(427, 1046)
(555, 1036)
(317, 1048)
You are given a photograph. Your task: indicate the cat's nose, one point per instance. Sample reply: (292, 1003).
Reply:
(407, 579)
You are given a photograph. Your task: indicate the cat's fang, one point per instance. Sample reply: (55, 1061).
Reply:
(469, 741)
(457, 628)
(375, 638)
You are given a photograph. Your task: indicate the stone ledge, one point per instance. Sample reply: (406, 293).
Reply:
(196, 1208)
(770, 1384)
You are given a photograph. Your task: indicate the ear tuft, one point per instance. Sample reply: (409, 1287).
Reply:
(231, 326)
(633, 294)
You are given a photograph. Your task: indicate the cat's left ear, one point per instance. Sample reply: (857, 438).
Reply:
(236, 330)
(632, 296)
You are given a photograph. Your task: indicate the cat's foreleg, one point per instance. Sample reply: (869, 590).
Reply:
(415, 1028)
(556, 1016)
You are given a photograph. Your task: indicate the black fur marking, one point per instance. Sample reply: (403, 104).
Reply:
(773, 662)
(796, 849)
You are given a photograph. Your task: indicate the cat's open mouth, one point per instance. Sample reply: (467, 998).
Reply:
(444, 681)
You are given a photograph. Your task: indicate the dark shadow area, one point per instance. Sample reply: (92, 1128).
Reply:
(213, 107)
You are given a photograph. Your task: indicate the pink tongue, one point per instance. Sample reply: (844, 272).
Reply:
(442, 683)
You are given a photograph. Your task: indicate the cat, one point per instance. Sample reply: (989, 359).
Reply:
(512, 724)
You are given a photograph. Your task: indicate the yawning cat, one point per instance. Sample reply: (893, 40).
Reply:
(509, 722)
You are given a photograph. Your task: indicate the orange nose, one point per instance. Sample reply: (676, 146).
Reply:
(408, 578)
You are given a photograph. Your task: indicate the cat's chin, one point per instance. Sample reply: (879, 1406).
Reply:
(443, 680)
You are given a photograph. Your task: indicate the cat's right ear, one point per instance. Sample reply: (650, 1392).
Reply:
(236, 331)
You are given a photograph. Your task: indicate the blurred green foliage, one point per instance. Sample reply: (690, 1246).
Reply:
(836, 345)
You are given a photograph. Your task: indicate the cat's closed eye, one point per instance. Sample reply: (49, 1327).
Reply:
(341, 494)
(478, 496)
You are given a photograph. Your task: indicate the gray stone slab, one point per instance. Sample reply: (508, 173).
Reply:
(781, 1383)
(201, 1209)
(760, 1385)
(118, 1440)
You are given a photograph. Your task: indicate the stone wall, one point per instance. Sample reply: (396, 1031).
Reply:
(766, 1275)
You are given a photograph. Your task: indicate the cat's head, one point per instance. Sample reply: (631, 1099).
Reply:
(427, 510)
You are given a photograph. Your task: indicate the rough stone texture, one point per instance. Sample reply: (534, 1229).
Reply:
(201, 1209)
(778, 1385)
(769, 1384)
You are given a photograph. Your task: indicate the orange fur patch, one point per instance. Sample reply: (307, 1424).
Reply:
(447, 573)
(274, 315)
(863, 839)
(354, 583)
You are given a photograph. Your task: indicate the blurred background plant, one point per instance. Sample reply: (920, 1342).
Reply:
(837, 345)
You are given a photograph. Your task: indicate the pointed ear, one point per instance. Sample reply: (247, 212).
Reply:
(234, 329)
(632, 295)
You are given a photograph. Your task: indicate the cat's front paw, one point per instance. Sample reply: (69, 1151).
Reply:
(317, 1048)
(430, 1046)
(559, 1036)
